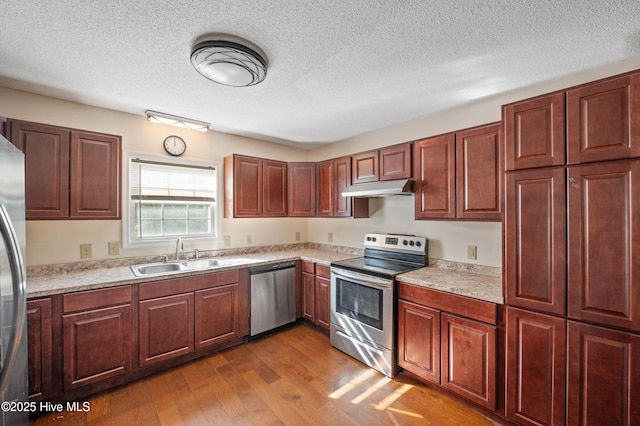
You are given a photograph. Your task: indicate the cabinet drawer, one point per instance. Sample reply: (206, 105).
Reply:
(323, 271)
(94, 299)
(478, 310)
(308, 267)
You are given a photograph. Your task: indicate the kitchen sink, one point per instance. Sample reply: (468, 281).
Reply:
(157, 268)
(150, 269)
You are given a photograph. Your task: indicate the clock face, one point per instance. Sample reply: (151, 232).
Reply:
(175, 145)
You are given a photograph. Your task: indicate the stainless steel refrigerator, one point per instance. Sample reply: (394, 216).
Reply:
(13, 324)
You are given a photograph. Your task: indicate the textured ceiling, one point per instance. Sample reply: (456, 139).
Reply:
(336, 69)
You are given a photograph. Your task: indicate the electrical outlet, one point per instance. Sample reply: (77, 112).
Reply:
(297, 236)
(249, 239)
(330, 237)
(114, 248)
(472, 252)
(227, 240)
(86, 251)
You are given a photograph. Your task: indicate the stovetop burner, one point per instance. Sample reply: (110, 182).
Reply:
(387, 255)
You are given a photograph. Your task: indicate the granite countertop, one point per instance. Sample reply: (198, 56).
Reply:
(474, 281)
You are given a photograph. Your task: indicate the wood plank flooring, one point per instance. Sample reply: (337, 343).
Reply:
(291, 378)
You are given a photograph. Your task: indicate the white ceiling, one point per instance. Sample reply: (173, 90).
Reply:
(336, 69)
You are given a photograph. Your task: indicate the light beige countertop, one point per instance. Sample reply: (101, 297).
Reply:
(474, 281)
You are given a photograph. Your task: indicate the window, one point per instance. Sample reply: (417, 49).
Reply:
(167, 201)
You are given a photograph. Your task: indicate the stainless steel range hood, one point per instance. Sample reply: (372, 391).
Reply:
(379, 189)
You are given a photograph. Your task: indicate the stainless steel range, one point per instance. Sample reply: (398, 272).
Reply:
(363, 297)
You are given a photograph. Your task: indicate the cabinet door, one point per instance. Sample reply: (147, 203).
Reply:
(216, 315)
(604, 376)
(325, 188)
(323, 302)
(395, 162)
(341, 180)
(166, 328)
(535, 239)
(46, 150)
(275, 188)
(435, 167)
(302, 189)
(40, 348)
(419, 340)
(95, 176)
(365, 167)
(603, 120)
(479, 173)
(604, 242)
(469, 359)
(97, 345)
(535, 373)
(535, 132)
(309, 297)
(243, 186)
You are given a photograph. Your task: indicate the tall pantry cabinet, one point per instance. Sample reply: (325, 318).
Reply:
(572, 238)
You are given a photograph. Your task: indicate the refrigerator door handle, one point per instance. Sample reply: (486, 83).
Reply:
(18, 278)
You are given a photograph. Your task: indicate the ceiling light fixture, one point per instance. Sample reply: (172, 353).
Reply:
(229, 63)
(172, 120)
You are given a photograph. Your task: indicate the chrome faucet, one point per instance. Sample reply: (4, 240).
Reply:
(196, 254)
(179, 247)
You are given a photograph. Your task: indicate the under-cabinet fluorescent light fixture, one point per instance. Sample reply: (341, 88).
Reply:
(229, 63)
(172, 120)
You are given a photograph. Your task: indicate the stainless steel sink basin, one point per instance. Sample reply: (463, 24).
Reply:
(202, 263)
(151, 269)
(157, 269)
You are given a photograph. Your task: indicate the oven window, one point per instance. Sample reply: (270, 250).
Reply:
(359, 302)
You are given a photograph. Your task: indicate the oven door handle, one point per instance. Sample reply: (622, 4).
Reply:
(363, 279)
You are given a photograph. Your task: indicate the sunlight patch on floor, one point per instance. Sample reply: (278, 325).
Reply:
(370, 391)
(391, 398)
(348, 387)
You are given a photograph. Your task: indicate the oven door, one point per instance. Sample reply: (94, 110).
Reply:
(362, 306)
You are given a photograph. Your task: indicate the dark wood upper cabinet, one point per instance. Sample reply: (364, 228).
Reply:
(243, 186)
(479, 171)
(326, 188)
(395, 162)
(275, 188)
(535, 240)
(536, 366)
(301, 189)
(604, 242)
(69, 173)
(603, 120)
(254, 187)
(435, 186)
(603, 376)
(365, 167)
(333, 177)
(46, 150)
(95, 175)
(341, 180)
(534, 132)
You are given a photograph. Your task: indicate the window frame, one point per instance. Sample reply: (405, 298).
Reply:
(128, 240)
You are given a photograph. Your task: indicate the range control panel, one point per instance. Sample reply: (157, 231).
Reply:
(409, 243)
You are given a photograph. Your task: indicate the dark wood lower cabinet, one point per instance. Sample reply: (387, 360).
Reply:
(216, 315)
(323, 302)
(40, 348)
(437, 345)
(604, 376)
(308, 296)
(166, 328)
(419, 340)
(469, 359)
(535, 376)
(97, 336)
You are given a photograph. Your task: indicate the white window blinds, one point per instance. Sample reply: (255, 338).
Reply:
(161, 181)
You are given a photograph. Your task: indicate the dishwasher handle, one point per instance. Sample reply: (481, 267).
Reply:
(261, 269)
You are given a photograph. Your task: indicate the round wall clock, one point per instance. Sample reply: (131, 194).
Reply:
(175, 145)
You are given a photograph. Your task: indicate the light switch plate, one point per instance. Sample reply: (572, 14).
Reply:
(114, 248)
(472, 252)
(227, 240)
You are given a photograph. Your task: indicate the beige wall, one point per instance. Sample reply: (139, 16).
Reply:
(58, 241)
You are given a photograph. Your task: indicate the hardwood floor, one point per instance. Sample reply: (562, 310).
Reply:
(293, 378)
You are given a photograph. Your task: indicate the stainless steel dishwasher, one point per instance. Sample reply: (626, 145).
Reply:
(273, 296)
